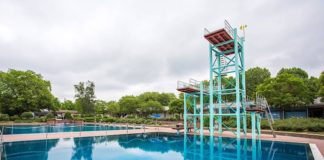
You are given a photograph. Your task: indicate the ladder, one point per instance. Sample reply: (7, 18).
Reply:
(263, 104)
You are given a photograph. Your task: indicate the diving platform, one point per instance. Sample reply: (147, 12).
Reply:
(222, 38)
(192, 87)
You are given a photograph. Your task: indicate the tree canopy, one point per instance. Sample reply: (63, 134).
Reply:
(84, 94)
(321, 86)
(285, 90)
(298, 72)
(22, 91)
(254, 77)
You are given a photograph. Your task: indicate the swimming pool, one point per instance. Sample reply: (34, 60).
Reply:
(154, 146)
(29, 129)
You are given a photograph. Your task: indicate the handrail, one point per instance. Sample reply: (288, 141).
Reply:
(229, 29)
(1, 139)
(192, 84)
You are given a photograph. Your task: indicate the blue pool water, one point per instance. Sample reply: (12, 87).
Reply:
(154, 146)
(58, 128)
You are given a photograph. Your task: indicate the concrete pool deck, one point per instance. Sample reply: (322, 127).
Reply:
(41, 136)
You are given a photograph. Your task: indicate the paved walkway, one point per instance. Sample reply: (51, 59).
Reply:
(30, 137)
(27, 137)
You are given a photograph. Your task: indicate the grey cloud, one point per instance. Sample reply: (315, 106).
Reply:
(127, 47)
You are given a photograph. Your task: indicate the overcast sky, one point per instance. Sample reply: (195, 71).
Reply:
(132, 46)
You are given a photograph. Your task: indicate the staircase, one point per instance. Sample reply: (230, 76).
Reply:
(261, 102)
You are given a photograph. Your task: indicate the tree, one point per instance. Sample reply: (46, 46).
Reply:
(68, 105)
(254, 77)
(114, 108)
(176, 106)
(298, 72)
(22, 91)
(313, 85)
(85, 97)
(68, 115)
(321, 88)
(150, 107)
(166, 98)
(101, 107)
(286, 90)
(149, 96)
(129, 104)
(56, 104)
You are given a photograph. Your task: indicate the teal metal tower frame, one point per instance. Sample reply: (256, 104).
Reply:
(222, 64)
(226, 59)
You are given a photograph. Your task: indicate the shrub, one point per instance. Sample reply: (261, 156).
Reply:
(40, 119)
(27, 115)
(108, 119)
(4, 117)
(14, 117)
(89, 119)
(68, 115)
(78, 118)
(177, 117)
(49, 116)
(23, 121)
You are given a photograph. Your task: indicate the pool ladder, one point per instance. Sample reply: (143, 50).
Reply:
(263, 104)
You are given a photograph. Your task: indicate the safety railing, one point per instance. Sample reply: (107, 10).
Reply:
(181, 85)
(229, 29)
(192, 84)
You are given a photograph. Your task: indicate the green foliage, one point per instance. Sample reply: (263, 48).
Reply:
(24, 121)
(313, 85)
(254, 77)
(176, 106)
(101, 107)
(89, 119)
(294, 71)
(109, 119)
(85, 97)
(68, 105)
(321, 86)
(163, 98)
(50, 116)
(68, 115)
(114, 108)
(150, 107)
(166, 98)
(14, 117)
(40, 119)
(27, 115)
(285, 90)
(4, 117)
(129, 104)
(296, 125)
(23, 91)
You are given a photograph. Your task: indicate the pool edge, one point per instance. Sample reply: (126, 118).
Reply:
(315, 151)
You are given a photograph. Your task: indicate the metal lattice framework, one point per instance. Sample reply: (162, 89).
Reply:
(225, 95)
(226, 55)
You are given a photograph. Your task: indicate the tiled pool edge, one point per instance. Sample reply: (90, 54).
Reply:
(317, 155)
(315, 151)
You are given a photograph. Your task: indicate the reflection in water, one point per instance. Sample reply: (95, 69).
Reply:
(83, 148)
(39, 149)
(154, 146)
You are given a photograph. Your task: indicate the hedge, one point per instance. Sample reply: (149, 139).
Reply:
(27, 115)
(291, 124)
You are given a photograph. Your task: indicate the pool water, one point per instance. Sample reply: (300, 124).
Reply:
(28, 129)
(154, 146)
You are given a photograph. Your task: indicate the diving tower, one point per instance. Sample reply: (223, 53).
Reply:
(222, 97)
